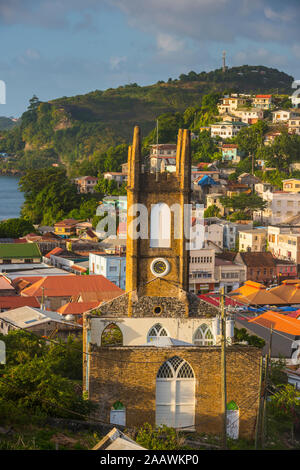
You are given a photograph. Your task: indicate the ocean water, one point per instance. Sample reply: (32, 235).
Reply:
(11, 199)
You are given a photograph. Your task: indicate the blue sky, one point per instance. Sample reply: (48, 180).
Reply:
(54, 48)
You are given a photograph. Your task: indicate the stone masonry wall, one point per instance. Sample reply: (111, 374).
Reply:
(120, 373)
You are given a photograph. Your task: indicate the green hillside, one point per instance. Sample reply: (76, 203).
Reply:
(6, 123)
(82, 128)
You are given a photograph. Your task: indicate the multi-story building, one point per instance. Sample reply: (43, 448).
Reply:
(291, 185)
(226, 129)
(66, 228)
(284, 242)
(116, 176)
(231, 103)
(249, 115)
(228, 274)
(281, 115)
(162, 154)
(86, 184)
(294, 126)
(295, 100)
(262, 101)
(201, 273)
(281, 206)
(112, 267)
(230, 153)
(253, 240)
(260, 266)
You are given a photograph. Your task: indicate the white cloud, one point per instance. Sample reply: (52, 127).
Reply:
(167, 43)
(115, 62)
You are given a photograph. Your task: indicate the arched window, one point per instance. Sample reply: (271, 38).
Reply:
(160, 226)
(175, 394)
(203, 336)
(156, 331)
(112, 336)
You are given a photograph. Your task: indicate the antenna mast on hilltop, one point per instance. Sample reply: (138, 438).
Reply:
(224, 61)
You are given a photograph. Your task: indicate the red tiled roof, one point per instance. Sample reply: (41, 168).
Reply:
(69, 222)
(56, 251)
(10, 302)
(77, 308)
(263, 96)
(67, 286)
(5, 283)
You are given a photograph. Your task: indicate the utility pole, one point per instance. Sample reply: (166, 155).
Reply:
(264, 410)
(223, 367)
(258, 418)
(252, 164)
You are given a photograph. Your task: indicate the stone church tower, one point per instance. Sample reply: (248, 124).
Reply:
(157, 260)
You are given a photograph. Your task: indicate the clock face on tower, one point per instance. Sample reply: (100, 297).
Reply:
(160, 267)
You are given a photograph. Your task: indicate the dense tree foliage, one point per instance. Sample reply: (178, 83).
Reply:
(39, 378)
(244, 202)
(15, 228)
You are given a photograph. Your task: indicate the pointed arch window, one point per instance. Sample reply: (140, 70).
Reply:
(156, 331)
(112, 336)
(175, 394)
(203, 336)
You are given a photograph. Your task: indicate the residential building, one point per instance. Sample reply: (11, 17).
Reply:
(40, 322)
(284, 243)
(19, 253)
(253, 240)
(294, 126)
(291, 185)
(226, 129)
(228, 274)
(230, 104)
(281, 115)
(54, 291)
(201, 270)
(116, 176)
(64, 259)
(271, 136)
(281, 206)
(260, 266)
(249, 115)
(162, 156)
(248, 179)
(295, 100)
(66, 228)
(262, 101)
(112, 267)
(14, 301)
(285, 269)
(230, 153)
(86, 184)
(262, 187)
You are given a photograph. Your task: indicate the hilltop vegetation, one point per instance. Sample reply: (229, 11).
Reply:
(85, 129)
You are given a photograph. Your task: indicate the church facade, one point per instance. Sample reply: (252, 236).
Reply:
(153, 354)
